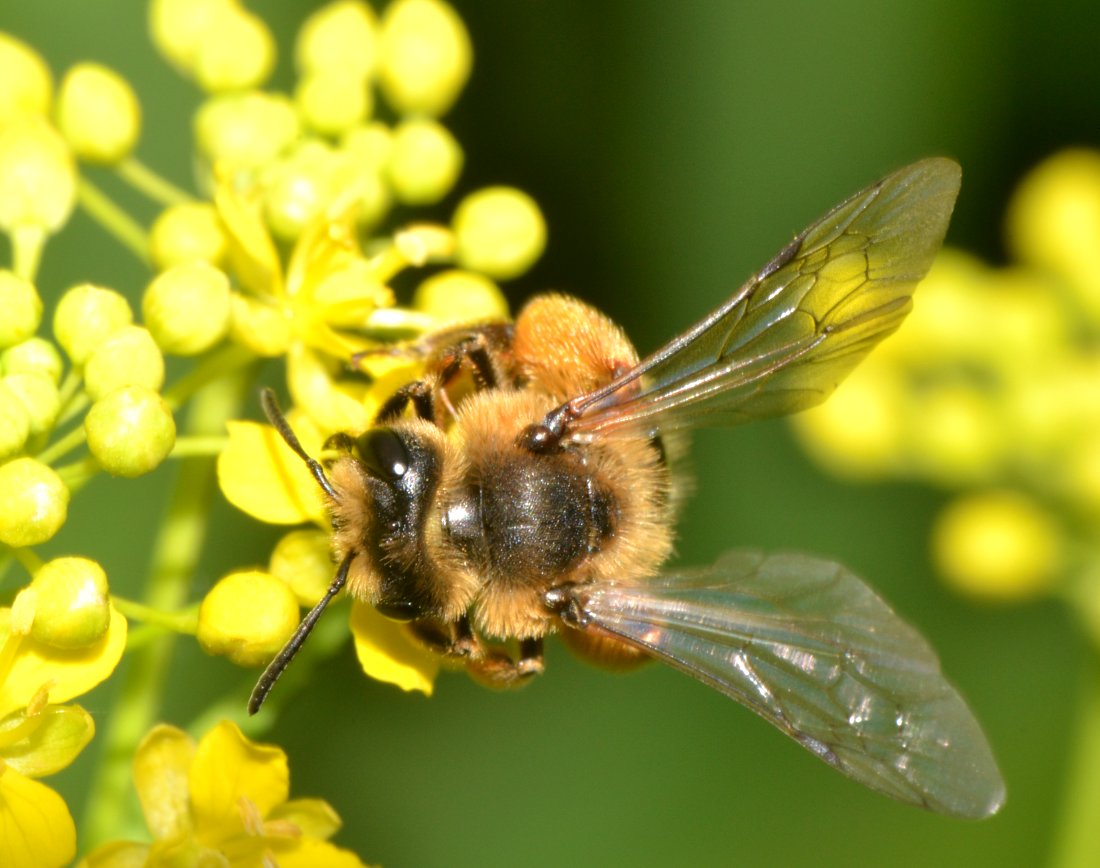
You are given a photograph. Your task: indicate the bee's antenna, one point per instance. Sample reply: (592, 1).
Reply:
(275, 415)
(276, 667)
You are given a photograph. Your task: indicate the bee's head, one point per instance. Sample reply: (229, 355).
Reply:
(385, 484)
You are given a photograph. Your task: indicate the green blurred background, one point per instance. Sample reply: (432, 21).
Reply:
(674, 147)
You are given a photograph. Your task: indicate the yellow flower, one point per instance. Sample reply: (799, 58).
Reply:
(38, 738)
(225, 802)
(321, 310)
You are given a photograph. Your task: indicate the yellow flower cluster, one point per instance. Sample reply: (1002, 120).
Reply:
(991, 389)
(289, 248)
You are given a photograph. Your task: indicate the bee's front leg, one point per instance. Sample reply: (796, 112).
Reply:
(487, 665)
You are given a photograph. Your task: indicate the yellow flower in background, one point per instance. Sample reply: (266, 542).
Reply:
(223, 801)
(991, 389)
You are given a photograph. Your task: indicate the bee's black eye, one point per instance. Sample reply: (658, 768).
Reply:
(383, 453)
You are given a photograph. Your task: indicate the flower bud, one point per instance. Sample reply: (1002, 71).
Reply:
(300, 186)
(37, 176)
(187, 232)
(21, 306)
(424, 163)
(71, 606)
(86, 316)
(331, 101)
(303, 559)
(238, 52)
(341, 37)
(247, 617)
(179, 27)
(98, 113)
(15, 422)
(246, 130)
(187, 308)
(33, 502)
(28, 85)
(130, 432)
(39, 396)
(461, 297)
(129, 357)
(997, 544)
(424, 56)
(33, 356)
(500, 232)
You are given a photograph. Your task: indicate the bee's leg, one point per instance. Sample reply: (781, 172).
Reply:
(496, 669)
(479, 350)
(487, 665)
(419, 393)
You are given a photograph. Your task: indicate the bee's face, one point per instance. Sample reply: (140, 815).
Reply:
(387, 484)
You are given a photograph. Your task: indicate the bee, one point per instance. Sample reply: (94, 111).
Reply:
(541, 498)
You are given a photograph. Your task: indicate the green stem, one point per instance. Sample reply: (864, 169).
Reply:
(27, 243)
(185, 621)
(63, 446)
(141, 177)
(112, 218)
(31, 562)
(230, 358)
(192, 447)
(1077, 842)
(77, 474)
(176, 552)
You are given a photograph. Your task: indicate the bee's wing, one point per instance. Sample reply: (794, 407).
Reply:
(787, 337)
(808, 646)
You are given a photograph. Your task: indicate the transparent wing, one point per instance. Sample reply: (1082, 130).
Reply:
(812, 649)
(787, 337)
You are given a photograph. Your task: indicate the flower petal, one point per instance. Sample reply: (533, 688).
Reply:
(60, 733)
(35, 825)
(314, 390)
(259, 474)
(252, 253)
(68, 672)
(228, 767)
(161, 767)
(387, 652)
(315, 818)
(310, 852)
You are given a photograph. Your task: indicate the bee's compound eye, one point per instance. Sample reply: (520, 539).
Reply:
(399, 610)
(383, 453)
